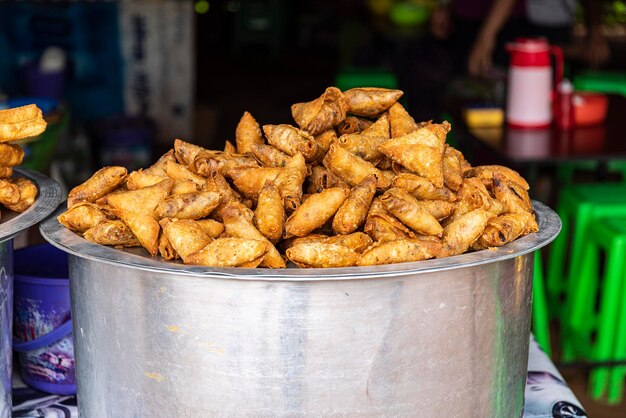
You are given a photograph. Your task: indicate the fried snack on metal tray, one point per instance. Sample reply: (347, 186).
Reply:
(247, 133)
(422, 188)
(400, 122)
(324, 140)
(488, 171)
(195, 205)
(357, 241)
(112, 232)
(365, 144)
(211, 227)
(400, 251)
(6, 172)
(217, 183)
(229, 252)
(250, 180)
(269, 215)
(186, 152)
(208, 161)
(140, 179)
(185, 236)
(503, 229)
(101, 183)
(371, 101)
(380, 225)
(166, 250)
(459, 235)
(440, 209)
(229, 147)
(321, 178)
(21, 122)
(353, 125)
(352, 169)
(322, 113)
(177, 171)
(321, 255)
(11, 155)
(184, 186)
(82, 217)
(351, 214)
(513, 200)
(410, 212)
(291, 140)
(473, 195)
(9, 192)
(269, 155)
(158, 168)
(315, 211)
(420, 151)
(238, 223)
(289, 182)
(452, 170)
(28, 193)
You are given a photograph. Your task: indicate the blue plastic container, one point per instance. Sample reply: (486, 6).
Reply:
(42, 325)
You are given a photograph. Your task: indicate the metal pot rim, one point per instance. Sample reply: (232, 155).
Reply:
(68, 241)
(48, 198)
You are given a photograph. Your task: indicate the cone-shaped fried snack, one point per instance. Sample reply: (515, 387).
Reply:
(186, 236)
(289, 182)
(440, 209)
(459, 235)
(11, 155)
(320, 179)
(158, 168)
(112, 232)
(184, 186)
(217, 183)
(248, 133)
(81, 217)
(351, 214)
(503, 229)
(400, 251)
(9, 192)
(352, 169)
(6, 172)
(186, 152)
(180, 172)
(421, 151)
(382, 226)
(353, 125)
(509, 197)
(366, 143)
(291, 140)
(322, 113)
(422, 188)
(141, 178)
(269, 155)
(405, 207)
(238, 223)
(452, 171)
(488, 171)
(21, 122)
(250, 181)
(102, 182)
(145, 228)
(321, 255)
(370, 101)
(195, 205)
(473, 195)
(400, 122)
(315, 211)
(229, 252)
(28, 193)
(166, 250)
(206, 162)
(229, 147)
(357, 241)
(269, 215)
(212, 228)
(324, 140)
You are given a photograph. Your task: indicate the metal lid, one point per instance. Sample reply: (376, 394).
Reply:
(48, 198)
(138, 258)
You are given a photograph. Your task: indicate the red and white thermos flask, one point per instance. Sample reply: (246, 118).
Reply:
(531, 85)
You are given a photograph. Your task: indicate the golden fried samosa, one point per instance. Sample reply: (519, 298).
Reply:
(324, 140)
(166, 250)
(400, 251)
(211, 227)
(365, 144)
(322, 113)
(216, 182)
(351, 168)
(141, 178)
(145, 228)
(289, 182)
(321, 255)
(315, 211)
(370, 101)
(11, 155)
(6, 172)
(351, 214)
(503, 229)
(9, 192)
(186, 152)
(158, 168)
(353, 125)
(422, 188)
(185, 236)
(81, 217)
(249, 181)
(380, 225)
(473, 195)
(184, 186)
(28, 193)
(460, 234)
(514, 199)
(440, 209)
(291, 140)
(180, 172)
(21, 122)
(400, 122)
(248, 133)
(269, 155)
(269, 215)
(229, 252)
(112, 232)
(207, 162)
(101, 183)
(421, 151)
(194, 205)
(488, 171)
(229, 147)
(410, 212)
(452, 170)
(321, 178)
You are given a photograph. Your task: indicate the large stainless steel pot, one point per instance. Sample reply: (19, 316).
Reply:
(12, 224)
(437, 338)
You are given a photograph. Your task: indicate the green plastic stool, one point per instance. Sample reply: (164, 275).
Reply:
(366, 77)
(591, 332)
(618, 375)
(578, 205)
(541, 326)
(565, 171)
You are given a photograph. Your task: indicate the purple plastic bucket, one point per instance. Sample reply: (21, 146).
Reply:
(42, 325)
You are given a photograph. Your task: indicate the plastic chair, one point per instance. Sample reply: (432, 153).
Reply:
(598, 294)
(541, 326)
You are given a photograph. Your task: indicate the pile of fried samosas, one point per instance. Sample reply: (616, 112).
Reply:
(17, 193)
(357, 183)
